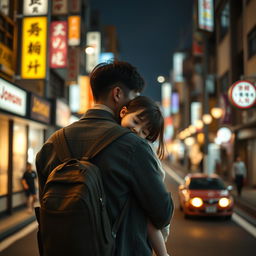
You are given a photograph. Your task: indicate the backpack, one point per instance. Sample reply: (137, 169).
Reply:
(73, 219)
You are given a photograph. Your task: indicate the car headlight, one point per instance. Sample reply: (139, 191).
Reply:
(224, 202)
(196, 202)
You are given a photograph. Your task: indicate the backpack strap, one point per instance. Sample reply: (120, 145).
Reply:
(106, 139)
(61, 146)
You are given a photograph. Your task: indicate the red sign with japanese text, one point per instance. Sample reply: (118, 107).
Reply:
(242, 94)
(58, 44)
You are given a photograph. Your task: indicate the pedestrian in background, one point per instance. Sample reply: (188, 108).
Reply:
(28, 182)
(239, 174)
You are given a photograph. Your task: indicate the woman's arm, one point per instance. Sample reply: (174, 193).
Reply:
(157, 241)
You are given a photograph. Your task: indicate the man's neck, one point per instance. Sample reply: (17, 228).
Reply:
(103, 107)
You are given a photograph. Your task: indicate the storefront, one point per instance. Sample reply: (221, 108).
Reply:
(23, 121)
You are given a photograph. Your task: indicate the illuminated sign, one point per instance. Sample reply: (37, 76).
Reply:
(62, 113)
(166, 91)
(6, 57)
(59, 7)
(196, 112)
(38, 7)
(175, 102)
(74, 30)
(58, 44)
(86, 98)
(40, 109)
(34, 34)
(94, 41)
(178, 66)
(242, 94)
(12, 98)
(206, 15)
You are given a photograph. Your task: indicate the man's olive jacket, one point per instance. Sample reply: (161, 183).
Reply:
(129, 170)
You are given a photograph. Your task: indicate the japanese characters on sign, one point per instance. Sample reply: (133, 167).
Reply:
(58, 44)
(206, 15)
(242, 94)
(34, 35)
(74, 30)
(73, 64)
(59, 7)
(35, 7)
(12, 98)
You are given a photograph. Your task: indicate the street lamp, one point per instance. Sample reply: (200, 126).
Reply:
(160, 79)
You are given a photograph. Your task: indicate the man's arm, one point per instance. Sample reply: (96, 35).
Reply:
(148, 186)
(46, 161)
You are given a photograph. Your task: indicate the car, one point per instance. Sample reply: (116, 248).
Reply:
(205, 195)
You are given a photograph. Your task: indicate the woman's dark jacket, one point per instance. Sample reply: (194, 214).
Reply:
(129, 170)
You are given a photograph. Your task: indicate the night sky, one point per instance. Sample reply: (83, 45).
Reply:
(148, 34)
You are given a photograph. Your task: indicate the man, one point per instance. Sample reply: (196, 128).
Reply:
(28, 182)
(239, 173)
(129, 168)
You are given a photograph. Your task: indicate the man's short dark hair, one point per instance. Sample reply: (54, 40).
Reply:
(117, 73)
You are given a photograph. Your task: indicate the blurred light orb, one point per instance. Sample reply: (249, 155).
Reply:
(217, 112)
(89, 50)
(190, 141)
(192, 129)
(207, 118)
(160, 79)
(199, 124)
(224, 134)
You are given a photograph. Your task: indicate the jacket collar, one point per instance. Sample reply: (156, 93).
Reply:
(99, 114)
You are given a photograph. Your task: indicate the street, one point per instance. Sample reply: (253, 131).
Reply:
(196, 236)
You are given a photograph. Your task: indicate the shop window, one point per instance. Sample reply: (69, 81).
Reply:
(224, 20)
(19, 154)
(251, 39)
(35, 142)
(4, 137)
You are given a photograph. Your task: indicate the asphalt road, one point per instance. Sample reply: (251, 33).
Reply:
(188, 237)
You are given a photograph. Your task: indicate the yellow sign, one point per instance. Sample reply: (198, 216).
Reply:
(6, 56)
(73, 30)
(34, 35)
(86, 98)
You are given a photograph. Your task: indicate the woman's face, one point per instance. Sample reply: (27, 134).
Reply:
(133, 122)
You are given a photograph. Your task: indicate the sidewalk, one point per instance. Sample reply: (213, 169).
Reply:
(245, 205)
(10, 224)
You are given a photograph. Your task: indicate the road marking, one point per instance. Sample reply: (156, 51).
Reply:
(235, 217)
(20, 234)
(244, 224)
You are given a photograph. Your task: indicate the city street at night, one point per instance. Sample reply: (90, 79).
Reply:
(107, 106)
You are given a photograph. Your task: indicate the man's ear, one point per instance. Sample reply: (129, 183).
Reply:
(123, 112)
(117, 93)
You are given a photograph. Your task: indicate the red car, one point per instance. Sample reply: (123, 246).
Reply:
(205, 195)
